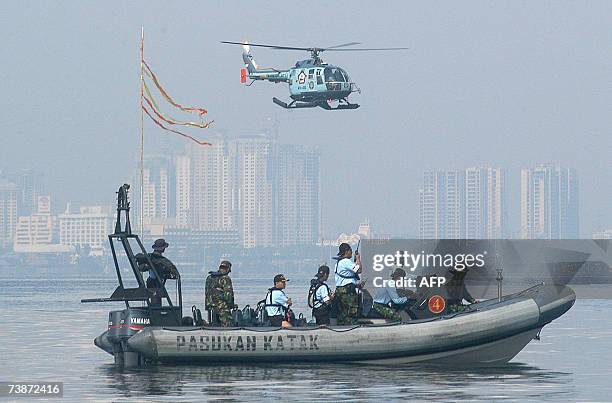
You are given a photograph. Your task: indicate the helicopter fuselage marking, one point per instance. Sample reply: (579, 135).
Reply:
(301, 77)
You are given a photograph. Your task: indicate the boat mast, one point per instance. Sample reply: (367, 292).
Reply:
(141, 130)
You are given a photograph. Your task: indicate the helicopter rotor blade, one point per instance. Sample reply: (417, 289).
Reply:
(364, 49)
(343, 45)
(266, 46)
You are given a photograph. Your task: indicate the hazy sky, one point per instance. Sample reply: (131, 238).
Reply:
(509, 84)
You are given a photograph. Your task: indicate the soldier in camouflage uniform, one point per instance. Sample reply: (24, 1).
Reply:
(163, 266)
(387, 298)
(347, 282)
(348, 304)
(220, 294)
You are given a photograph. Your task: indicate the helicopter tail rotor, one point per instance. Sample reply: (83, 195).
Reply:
(249, 61)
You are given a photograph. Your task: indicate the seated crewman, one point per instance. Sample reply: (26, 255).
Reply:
(319, 296)
(458, 295)
(277, 302)
(387, 299)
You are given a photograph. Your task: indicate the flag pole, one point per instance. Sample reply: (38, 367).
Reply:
(142, 131)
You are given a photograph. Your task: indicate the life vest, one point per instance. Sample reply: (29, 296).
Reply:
(353, 276)
(315, 284)
(268, 301)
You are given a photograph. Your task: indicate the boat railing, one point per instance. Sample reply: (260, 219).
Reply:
(169, 314)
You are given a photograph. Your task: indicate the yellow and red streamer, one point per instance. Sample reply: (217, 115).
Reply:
(154, 113)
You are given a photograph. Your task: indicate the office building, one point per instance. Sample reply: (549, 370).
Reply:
(210, 186)
(89, 227)
(458, 204)
(182, 166)
(8, 212)
(549, 203)
(252, 167)
(158, 188)
(30, 186)
(296, 195)
(36, 229)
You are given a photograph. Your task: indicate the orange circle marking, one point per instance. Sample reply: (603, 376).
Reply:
(436, 304)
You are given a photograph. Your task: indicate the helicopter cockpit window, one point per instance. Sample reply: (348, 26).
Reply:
(334, 74)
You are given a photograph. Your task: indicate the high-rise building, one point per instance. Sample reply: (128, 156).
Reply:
(8, 212)
(210, 186)
(35, 229)
(182, 166)
(549, 202)
(441, 205)
(89, 227)
(485, 203)
(458, 204)
(266, 191)
(252, 161)
(30, 185)
(158, 188)
(296, 195)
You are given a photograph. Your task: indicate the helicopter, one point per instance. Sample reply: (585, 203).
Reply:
(312, 82)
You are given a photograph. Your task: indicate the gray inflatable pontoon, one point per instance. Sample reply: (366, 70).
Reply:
(486, 333)
(489, 333)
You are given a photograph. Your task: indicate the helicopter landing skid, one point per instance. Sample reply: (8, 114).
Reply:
(294, 104)
(346, 105)
(322, 104)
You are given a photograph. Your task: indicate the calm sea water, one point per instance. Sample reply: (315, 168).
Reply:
(47, 335)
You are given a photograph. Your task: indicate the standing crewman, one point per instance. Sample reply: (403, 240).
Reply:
(347, 280)
(164, 267)
(387, 301)
(219, 295)
(277, 303)
(319, 296)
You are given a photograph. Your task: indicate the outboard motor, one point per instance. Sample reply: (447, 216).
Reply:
(125, 323)
(121, 326)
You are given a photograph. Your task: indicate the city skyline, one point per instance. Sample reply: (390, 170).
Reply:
(469, 203)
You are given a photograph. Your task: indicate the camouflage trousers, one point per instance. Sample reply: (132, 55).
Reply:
(457, 308)
(224, 316)
(348, 305)
(387, 312)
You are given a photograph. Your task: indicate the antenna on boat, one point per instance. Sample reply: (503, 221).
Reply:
(142, 130)
(500, 277)
(123, 204)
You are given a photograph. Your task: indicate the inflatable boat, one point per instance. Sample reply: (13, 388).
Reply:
(489, 332)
